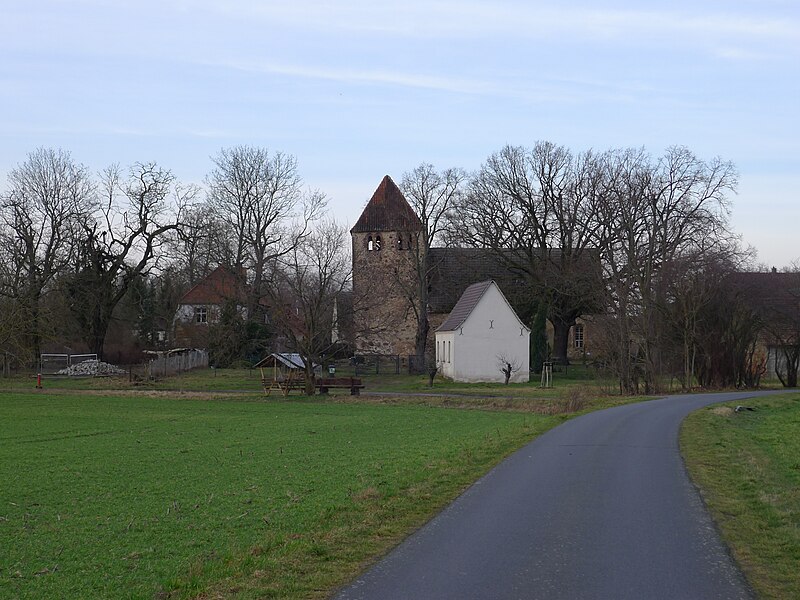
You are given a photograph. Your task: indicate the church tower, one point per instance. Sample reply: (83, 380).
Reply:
(384, 272)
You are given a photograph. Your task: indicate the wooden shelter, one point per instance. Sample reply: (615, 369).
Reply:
(283, 371)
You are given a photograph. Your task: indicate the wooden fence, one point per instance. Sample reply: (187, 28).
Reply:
(171, 364)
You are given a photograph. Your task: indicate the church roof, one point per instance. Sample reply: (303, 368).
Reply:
(452, 270)
(387, 210)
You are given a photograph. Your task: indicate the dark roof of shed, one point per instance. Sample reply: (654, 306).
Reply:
(465, 305)
(387, 210)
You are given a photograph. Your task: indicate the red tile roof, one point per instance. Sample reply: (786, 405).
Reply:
(388, 210)
(218, 287)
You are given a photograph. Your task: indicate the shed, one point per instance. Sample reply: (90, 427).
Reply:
(482, 332)
(282, 371)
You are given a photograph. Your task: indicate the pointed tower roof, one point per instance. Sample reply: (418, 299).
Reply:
(388, 210)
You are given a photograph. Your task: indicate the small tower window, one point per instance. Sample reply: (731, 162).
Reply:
(399, 242)
(377, 243)
(370, 244)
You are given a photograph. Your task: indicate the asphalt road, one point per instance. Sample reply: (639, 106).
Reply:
(599, 507)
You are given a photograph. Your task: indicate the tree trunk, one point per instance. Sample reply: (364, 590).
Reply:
(421, 342)
(561, 340)
(310, 387)
(791, 355)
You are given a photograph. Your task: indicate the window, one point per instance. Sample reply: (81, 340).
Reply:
(578, 336)
(399, 242)
(370, 244)
(377, 242)
(448, 351)
(200, 314)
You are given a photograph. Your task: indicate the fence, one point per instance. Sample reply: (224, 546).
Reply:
(50, 364)
(171, 364)
(381, 364)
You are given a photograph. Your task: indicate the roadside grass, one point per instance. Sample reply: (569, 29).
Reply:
(747, 465)
(142, 497)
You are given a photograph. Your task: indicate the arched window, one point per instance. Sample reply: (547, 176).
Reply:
(370, 243)
(377, 242)
(399, 242)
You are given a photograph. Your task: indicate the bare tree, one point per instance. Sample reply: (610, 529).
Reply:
(654, 216)
(535, 211)
(259, 196)
(48, 197)
(775, 298)
(122, 241)
(508, 366)
(309, 279)
(432, 195)
(200, 244)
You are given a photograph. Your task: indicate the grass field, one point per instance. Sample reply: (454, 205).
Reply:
(748, 467)
(140, 497)
(249, 380)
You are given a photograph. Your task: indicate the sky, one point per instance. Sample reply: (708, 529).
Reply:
(358, 90)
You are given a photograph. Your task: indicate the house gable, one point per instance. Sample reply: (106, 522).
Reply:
(483, 331)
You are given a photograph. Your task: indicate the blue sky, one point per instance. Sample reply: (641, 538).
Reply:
(356, 90)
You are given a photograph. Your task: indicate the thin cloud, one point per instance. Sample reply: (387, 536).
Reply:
(483, 19)
(463, 86)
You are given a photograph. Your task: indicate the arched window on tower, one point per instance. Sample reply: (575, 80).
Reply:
(377, 242)
(399, 241)
(370, 244)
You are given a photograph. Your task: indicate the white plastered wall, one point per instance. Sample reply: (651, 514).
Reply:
(492, 330)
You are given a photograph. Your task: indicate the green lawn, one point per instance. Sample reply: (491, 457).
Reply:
(155, 497)
(747, 465)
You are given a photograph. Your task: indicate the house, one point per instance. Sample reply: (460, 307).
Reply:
(204, 303)
(775, 299)
(481, 335)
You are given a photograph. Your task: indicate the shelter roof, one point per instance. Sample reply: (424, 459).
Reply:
(290, 360)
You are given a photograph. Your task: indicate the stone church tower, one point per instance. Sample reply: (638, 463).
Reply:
(384, 273)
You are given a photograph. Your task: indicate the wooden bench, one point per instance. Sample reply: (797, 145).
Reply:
(352, 383)
(284, 386)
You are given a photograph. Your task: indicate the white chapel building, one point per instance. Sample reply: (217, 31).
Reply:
(480, 334)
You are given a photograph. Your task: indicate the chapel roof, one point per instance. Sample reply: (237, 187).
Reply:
(387, 210)
(465, 305)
